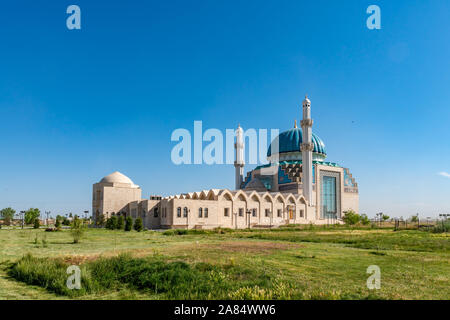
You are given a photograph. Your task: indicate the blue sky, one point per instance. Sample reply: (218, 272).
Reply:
(76, 105)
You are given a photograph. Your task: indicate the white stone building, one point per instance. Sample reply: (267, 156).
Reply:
(297, 187)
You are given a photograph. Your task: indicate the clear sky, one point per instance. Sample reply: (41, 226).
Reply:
(76, 105)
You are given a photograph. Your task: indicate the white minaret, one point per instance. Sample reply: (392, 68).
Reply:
(239, 162)
(307, 148)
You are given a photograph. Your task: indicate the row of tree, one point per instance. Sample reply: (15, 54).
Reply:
(351, 218)
(121, 223)
(30, 216)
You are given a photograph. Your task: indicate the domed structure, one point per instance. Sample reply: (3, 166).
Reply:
(117, 177)
(289, 146)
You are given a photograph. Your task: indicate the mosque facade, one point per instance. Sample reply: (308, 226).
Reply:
(297, 186)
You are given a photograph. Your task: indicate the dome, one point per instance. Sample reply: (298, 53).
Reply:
(290, 140)
(116, 177)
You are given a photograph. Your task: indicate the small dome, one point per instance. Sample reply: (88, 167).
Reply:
(116, 177)
(255, 184)
(289, 141)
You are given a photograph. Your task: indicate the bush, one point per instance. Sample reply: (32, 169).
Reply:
(120, 223)
(58, 223)
(77, 230)
(66, 222)
(99, 220)
(442, 226)
(138, 226)
(36, 224)
(351, 217)
(128, 223)
(364, 220)
(111, 223)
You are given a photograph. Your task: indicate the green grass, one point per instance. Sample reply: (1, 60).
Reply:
(286, 263)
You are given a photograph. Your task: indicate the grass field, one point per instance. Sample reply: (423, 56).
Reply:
(286, 263)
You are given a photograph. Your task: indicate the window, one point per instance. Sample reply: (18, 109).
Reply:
(179, 212)
(226, 212)
(328, 196)
(155, 212)
(200, 212)
(185, 212)
(279, 214)
(267, 212)
(301, 213)
(206, 212)
(254, 213)
(241, 212)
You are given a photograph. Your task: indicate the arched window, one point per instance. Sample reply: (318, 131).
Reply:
(185, 212)
(179, 212)
(206, 212)
(254, 213)
(200, 212)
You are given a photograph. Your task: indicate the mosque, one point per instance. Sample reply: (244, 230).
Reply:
(297, 186)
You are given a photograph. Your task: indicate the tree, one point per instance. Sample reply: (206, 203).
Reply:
(415, 218)
(138, 225)
(120, 223)
(111, 223)
(364, 219)
(66, 222)
(7, 215)
(128, 223)
(58, 223)
(385, 217)
(36, 223)
(99, 219)
(351, 217)
(77, 230)
(31, 215)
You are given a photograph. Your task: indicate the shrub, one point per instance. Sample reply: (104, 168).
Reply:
(138, 225)
(111, 223)
(351, 217)
(36, 223)
(442, 226)
(120, 223)
(77, 230)
(364, 220)
(99, 220)
(58, 223)
(128, 223)
(66, 221)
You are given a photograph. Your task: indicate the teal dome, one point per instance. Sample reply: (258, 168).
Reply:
(289, 141)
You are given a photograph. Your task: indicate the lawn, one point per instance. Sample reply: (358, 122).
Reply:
(286, 263)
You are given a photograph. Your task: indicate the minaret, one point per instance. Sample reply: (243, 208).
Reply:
(307, 148)
(239, 162)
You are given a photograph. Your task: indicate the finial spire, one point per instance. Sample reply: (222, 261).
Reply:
(295, 123)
